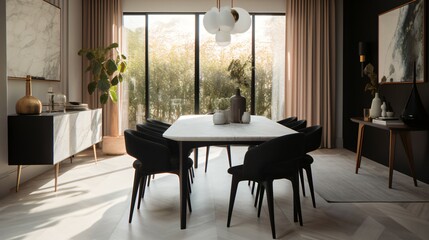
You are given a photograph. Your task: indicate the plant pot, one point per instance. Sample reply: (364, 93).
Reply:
(114, 145)
(219, 117)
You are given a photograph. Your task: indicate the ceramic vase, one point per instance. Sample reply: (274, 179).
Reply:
(237, 107)
(246, 117)
(414, 113)
(28, 104)
(375, 110)
(219, 117)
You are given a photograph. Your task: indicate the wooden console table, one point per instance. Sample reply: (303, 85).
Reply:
(49, 138)
(402, 130)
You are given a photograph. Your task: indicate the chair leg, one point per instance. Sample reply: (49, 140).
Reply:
(301, 176)
(228, 150)
(191, 179)
(296, 199)
(142, 189)
(234, 185)
(270, 201)
(261, 197)
(148, 179)
(310, 184)
(258, 189)
(189, 198)
(137, 178)
(192, 171)
(189, 184)
(253, 187)
(207, 158)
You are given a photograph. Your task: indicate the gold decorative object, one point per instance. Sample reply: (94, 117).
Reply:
(28, 104)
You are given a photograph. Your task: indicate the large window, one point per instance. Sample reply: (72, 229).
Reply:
(175, 67)
(171, 66)
(214, 62)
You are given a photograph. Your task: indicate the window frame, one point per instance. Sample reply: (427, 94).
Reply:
(197, 56)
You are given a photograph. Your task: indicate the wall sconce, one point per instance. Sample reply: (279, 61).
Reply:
(362, 55)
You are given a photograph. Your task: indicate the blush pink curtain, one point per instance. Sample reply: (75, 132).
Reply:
(310, 64)
(102, 25)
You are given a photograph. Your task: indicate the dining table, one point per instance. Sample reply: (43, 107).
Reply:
(193, 131)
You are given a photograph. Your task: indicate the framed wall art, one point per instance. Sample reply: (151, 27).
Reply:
(33, 40)
(401, 42)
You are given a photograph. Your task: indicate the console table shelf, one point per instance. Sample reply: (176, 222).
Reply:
(49, 138)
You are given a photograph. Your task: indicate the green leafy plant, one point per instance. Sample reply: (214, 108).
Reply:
(239, 71)
(107, 66)
(372, 85)
(222, 103)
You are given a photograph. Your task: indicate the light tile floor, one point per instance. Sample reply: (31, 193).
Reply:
(93, 201)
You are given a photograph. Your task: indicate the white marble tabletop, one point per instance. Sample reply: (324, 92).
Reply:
(201, 128)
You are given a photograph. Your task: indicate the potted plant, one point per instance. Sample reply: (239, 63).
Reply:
(372, 86)
(106, 70)
(238, 72)
(221, 114)
(107, 66)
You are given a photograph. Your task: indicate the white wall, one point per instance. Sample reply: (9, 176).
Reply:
(259, 6)
(12, 90)
(3, 98)
(74, 45)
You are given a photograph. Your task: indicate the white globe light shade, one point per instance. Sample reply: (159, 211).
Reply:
(223, 38)
(210, 20)
(244, 21)
(226, 20)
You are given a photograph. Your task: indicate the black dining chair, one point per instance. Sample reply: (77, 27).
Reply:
(292, 123)
(274, 159)
(296, 125)
(282, 122)
(153, 156)
(156, 130)
(287, 120)
(313, 139)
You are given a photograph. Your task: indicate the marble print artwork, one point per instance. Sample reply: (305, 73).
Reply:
(401, 38)
(33, 39)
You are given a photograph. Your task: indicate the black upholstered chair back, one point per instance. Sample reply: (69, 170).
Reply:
(313, 137)
(158, 123)
(154, 156)
(287, 120)
(284, 148)
(151, 128)
(296, 125)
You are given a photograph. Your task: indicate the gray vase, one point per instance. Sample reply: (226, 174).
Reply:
(238, 106)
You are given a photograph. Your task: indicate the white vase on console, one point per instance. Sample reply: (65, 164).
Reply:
(375, 110)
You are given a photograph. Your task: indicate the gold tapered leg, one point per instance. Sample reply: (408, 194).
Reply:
(57, 170)
(95, 153)
(18, 177)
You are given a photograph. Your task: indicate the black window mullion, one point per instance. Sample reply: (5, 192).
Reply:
(253, 82)
(147, 67)
(197, 65)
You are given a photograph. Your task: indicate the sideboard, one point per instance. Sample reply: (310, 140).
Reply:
(49, 138)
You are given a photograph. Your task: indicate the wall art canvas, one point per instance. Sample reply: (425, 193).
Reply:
(33, 39)
(401, 42)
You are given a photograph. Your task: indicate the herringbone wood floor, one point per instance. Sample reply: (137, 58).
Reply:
(93, 203)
